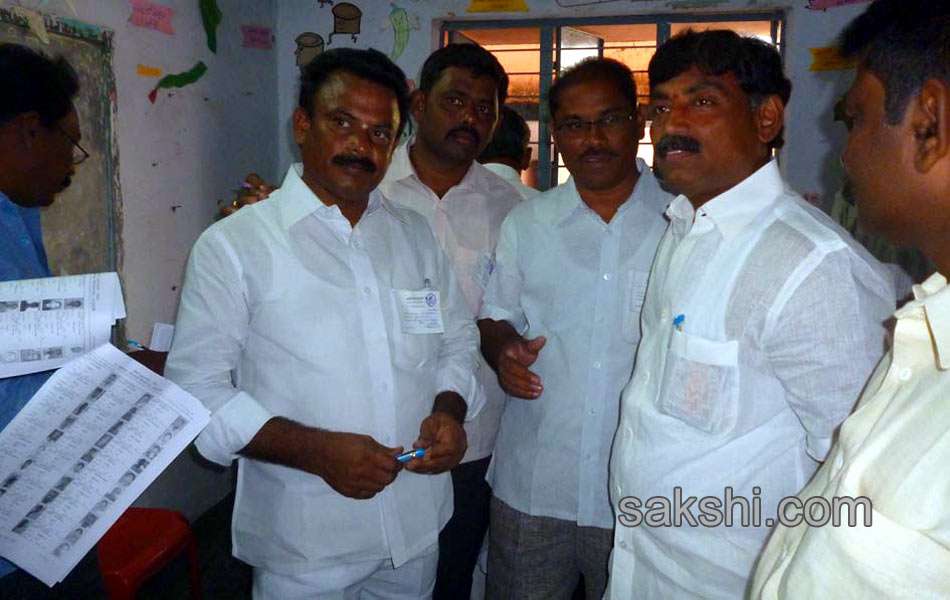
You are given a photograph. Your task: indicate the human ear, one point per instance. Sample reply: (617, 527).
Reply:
(769, 118)
(928, 114)
(417, 105)
(641, 119)
(301, 124)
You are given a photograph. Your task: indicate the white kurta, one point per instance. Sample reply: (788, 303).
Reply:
(300, 309)
(761, 324)
(466, 221)
(894, 450)
(562, 273)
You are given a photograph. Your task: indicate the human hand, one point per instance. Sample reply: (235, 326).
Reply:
(444, 440)
(356, 465)
(513, 374)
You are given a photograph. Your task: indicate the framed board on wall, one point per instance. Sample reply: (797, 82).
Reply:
(81, 230)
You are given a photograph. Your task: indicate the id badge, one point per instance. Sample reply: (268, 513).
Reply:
(420, 311)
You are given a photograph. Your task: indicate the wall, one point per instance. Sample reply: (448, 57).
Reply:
(810, 160)
(177, 157)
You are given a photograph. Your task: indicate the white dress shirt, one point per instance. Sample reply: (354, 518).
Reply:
(894, 450)
(289, 311)
(564, 274)
(760, 326)
(466, 221)
(513, 177)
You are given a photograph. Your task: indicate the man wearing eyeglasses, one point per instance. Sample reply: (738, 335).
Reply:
(560, 325)
(39, 134)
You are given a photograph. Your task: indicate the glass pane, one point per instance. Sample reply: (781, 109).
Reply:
(759, 29)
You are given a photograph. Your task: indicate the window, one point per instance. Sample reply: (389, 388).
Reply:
(533, 52)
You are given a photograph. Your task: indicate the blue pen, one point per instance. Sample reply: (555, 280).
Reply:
(414, 453)
(678, 322)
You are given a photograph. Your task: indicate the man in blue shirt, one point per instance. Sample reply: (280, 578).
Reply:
(39, 151)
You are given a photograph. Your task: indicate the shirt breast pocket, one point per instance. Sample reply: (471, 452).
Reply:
(634, 291)
(413, 348)
(701, 382)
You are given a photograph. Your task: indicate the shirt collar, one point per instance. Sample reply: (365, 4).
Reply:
(732, 210)
(647, 191)
(401, 167)
(296, 200)
(933, 297)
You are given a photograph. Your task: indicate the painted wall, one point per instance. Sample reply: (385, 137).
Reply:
(177, 157)
(810, 160)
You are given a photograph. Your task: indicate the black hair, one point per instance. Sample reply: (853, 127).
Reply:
(37, 83)
(756, 65)
(510, 137)
(369, 64)
(594, 69)
(904, 43)
(464, 56)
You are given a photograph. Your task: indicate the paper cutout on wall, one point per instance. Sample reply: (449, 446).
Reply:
(256, 36)
(825, 4)
(401, 22)
(149, 71)
(178, 80)
(828, 59)
(309, 47)
(149, 15)
(346, 19)
(477, 6)
(322, 2)
(210, 18)
(34, 21)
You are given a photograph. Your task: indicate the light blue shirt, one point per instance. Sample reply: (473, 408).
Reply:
(22, 256)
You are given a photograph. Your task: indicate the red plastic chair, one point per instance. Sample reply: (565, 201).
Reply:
(140, 544)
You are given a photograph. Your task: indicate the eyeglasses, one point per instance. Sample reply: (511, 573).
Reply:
(609, 124)
(78, 157)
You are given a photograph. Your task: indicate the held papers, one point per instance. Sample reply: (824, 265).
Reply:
(44, 323)
(79, 453)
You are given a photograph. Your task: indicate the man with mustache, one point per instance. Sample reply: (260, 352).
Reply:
(326, 331)
(39, 151)
(560, 325)
(462, 88)
(761, 323)
(894, 448)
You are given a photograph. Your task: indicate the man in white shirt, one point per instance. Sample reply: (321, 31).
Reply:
(560, 325)
(761, 323)
(509, 152)
(461, 88)
(318, 326)
(894, 450)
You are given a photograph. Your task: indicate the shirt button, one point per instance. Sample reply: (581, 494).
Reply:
(619, 492)
(646, 376)
(25, 242)
(839, 460)
(596, 364)
(622, 544)
(784, 553)
(592, 411)
(628, 430)
(588, 456)
(665, 314)
(606, 276)
(904, 374)
(367, 291)
(357, 244)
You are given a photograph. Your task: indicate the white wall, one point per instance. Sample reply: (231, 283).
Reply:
(190, 148)
(810, 160)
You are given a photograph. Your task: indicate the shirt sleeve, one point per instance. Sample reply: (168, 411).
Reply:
(502, 299)
(826, 340)
(209, 337)
(458, 347)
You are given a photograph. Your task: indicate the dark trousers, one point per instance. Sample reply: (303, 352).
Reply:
(461, 539)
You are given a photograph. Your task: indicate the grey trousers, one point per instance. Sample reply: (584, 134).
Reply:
(542, 557)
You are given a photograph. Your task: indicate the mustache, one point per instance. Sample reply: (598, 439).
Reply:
(466, 129)
(677, 142)
(360, 162)
(595, 152)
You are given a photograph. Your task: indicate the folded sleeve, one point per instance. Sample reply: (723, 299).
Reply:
(209, 336)
(502, 299)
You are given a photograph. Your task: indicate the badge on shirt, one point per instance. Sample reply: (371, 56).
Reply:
(420, 311)
(483, 270)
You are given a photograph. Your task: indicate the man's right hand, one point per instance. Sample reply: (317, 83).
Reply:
(356, 465)
(513, 361)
